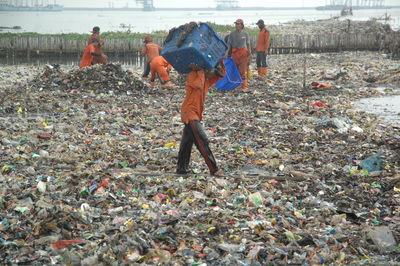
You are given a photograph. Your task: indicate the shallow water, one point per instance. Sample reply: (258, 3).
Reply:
(387, 107)
(82, 21)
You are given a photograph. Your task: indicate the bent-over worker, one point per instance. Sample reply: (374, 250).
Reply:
(158, 66)
(90, 53)
(99, 50)
(150, 50)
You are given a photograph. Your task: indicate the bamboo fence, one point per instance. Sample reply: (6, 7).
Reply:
(280, 44)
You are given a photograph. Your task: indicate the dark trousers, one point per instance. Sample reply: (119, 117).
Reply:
(194, 133)
(146, 70)
(261, 59)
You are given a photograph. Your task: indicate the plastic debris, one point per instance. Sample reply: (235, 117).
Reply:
(87, 170)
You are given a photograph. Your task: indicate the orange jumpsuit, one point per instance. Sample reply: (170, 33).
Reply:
(88, 56)
(99, 50)
(151, 50)
(196, 89)
(197, 86)
(262, 48)
(157, 66)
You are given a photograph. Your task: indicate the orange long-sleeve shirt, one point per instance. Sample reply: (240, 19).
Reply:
(197, 86)
(263, 40)
(87, 56)
(151, 50)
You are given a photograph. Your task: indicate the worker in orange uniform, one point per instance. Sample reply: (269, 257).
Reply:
(262, 49)
(96, 35)
(150, 50)
(239, 46)
(90, 53)
(159, 66)
(197, 84)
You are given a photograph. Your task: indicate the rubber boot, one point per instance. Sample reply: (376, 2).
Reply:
(244, 85)
(168, 84)
(263, 72)
(259, 70)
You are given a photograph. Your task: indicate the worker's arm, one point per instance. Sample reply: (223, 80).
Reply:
(92, 50)
(267, 36)
(144, 50)
(248, 44)
(228, 51)
(95, 54)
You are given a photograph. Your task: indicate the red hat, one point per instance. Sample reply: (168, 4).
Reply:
(147, 39)
(239, 21)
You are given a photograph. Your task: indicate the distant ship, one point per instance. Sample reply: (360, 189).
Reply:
(5, 7)
(220, 7)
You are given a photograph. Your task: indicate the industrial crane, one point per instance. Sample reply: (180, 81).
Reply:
(148, 5)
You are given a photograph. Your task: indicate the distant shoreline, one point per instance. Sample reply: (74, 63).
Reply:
(200, 9)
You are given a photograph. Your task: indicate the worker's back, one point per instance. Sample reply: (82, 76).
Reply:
(152, 50)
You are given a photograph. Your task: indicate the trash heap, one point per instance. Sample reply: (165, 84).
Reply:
(86, 176)
(333, 25)
(98, 77)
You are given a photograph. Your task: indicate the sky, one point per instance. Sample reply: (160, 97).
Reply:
(203, 3)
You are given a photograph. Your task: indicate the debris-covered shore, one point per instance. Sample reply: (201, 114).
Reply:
(87, 159)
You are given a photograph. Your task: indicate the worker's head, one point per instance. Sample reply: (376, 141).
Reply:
(147, 39)
(239, 24)
(96, 29)
(260, 23)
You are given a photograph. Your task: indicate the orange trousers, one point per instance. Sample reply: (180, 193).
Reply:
(160, 71)
(241, 58)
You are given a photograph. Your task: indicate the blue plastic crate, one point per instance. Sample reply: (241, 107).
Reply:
(202, 47)
(232, 78)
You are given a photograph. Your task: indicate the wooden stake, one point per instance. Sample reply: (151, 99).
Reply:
(304, 71)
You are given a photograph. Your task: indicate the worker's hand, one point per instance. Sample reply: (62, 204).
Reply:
(195, 67)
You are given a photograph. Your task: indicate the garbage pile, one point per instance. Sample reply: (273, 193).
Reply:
(97, 77)
(87, 177)
(331, 26)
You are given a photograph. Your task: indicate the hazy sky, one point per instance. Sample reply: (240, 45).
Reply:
(203, 3)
